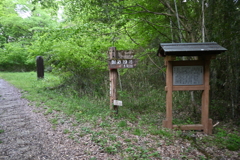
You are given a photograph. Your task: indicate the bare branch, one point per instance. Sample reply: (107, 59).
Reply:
(131, 37)
(151, 24)
(154, 63)
(165, 26)
(166, 3)
(145, 10)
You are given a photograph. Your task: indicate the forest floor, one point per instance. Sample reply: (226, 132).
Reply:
(27, 134)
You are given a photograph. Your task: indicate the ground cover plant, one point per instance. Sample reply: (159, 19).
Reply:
(1, 131)
(132, 134)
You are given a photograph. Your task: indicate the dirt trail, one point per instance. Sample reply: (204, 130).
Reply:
(29, 136)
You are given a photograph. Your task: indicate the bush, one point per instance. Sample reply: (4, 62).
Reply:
(14, 58)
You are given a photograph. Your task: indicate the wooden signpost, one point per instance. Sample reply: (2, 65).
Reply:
(118, 59)
(189, 75)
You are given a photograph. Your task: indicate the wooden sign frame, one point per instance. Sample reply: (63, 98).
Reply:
(206, 123)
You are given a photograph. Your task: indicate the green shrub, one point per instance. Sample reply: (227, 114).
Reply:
(233, 142)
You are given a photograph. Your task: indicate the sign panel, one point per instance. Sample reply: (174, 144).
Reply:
(117, 103)
(122, 54)
(188, 75)
(122, 63)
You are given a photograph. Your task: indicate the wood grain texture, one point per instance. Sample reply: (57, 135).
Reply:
(189, 127)
(169, 95)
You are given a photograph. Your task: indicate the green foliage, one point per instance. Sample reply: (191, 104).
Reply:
(161, 133)
(122, 124)
(137, 131)
(1, 131)
(225, 69)
(54, 121)
(223, 139)
(18, 33)
(66, 131)
(75, 45)
(127, 140)
(233, 142)
(110, 149)
(13, 57)
(182, 121)
(155, 154)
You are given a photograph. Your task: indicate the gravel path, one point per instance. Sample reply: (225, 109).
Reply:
(27, 135)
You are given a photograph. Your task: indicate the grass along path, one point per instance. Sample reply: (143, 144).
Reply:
(127, 136)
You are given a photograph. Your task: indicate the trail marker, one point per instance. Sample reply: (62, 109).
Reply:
(40, 67)
(118, 59)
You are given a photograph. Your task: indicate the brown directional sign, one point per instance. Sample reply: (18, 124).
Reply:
(118, 59)
(122, 63)
(120, 54)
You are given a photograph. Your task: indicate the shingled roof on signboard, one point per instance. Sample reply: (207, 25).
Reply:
(189, 49)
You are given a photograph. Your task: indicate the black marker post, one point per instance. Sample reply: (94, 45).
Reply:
(40, 67)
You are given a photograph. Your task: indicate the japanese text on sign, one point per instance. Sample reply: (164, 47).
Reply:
(187, 75)
(122, 63)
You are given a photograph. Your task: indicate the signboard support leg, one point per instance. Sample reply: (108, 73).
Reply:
(168, 122)
(206, 122)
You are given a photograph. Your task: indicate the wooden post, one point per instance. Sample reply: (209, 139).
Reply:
(169, 82)
(40, 67)
(113, 89)
(113, 75)
(205, 99)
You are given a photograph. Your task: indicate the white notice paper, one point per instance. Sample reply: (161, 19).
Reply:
(117, 103)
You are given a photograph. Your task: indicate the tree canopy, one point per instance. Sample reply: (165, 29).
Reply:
(73, 37)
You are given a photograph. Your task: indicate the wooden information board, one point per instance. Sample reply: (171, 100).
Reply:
(183, 76)
(189, 75)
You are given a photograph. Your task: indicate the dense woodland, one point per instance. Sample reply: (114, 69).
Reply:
(73, 36)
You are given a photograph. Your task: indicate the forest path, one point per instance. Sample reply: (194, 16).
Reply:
(27, 135)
